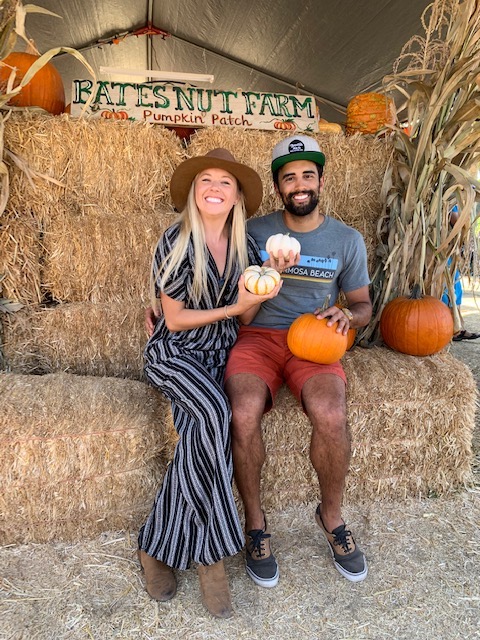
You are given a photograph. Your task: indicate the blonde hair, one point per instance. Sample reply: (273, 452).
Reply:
(191, 226)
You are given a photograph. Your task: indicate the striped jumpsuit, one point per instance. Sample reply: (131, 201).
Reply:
(194, 516)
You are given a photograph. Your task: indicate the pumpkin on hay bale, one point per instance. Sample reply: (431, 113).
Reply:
(417, 325)
(45, 89)
(367, 113)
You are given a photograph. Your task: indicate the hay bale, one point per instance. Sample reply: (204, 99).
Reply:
(354, 170)
(80, 338)
(78, 455)
(117, 167)
(20, 257)
(411, 422)
(98, 191)
(100, 258)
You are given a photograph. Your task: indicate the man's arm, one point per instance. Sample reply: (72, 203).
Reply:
(360, 306)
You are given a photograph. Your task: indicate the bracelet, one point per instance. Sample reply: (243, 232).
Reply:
(227, 317)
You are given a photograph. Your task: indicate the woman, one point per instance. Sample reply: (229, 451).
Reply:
(197, 269)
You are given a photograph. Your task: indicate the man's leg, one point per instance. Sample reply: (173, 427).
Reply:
(248, 395)
(323, 397)
(324, 400)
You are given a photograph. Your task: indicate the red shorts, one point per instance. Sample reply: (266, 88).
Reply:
(264, 353)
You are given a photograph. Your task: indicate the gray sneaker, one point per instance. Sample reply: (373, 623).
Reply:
(347, 557)
(261, 564)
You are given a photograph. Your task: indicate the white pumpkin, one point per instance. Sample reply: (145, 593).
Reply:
(282, 242)
(260, 280)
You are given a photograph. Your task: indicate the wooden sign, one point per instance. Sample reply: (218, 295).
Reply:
(179, 105)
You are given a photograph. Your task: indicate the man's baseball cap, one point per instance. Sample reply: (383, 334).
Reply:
(296, 148)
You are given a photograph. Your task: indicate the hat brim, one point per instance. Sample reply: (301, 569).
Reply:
(314, 156)
(185, 173)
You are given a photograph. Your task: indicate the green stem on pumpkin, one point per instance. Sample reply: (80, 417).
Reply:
(416, 292)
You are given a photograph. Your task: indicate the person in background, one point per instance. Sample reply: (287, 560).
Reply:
(199, 300)
(462, 334)
(333, 258)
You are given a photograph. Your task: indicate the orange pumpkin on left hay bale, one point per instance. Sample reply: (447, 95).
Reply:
(44, 90)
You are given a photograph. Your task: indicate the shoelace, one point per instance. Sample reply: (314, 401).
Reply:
(258, 536)
(341, 535)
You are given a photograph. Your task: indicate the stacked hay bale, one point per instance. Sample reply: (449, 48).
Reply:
(76, 247)
(411, 422)
(414, 439)
(77, 240)
(78, 455)
(96, 233)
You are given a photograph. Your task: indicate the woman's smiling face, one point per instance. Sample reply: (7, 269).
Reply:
(216, 191)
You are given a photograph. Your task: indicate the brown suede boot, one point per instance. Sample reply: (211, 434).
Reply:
(159, 578)
(215, 590)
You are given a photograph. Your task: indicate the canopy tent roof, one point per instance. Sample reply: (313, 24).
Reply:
(330, 50)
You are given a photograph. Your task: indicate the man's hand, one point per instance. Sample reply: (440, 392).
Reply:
(334, 314)
(150, 321)
(281, 262)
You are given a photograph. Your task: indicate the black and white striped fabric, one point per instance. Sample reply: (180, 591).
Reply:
(194, 517)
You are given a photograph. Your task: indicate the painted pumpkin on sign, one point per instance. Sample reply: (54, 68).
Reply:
(286, 125)
(260, 280)
(114, 115)
(417, 325)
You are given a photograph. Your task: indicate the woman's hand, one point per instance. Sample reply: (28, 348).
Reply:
(248, 303)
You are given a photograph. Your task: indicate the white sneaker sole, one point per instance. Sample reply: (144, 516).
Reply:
(263, 582)
(353, 577)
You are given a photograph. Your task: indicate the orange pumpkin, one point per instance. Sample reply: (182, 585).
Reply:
(329, 127)
(260, 280)
(44, 90)
(417, 325)
(369, 112)
(351, 335)
(311, 339)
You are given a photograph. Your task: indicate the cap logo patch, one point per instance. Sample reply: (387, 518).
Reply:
(296, 146)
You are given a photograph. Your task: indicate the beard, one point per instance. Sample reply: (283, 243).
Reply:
(300, 209)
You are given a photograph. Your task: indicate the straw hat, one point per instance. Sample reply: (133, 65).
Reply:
(248, 179)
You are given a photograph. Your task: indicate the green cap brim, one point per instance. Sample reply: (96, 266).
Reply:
(314, 156)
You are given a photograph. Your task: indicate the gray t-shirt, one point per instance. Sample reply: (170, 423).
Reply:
(333, 258)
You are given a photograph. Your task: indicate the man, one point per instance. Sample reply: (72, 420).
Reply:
(333, 258)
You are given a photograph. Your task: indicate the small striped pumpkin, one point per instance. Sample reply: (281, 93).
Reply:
(260, 280)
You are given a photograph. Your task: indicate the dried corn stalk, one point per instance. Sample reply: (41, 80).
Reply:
(433, 164)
